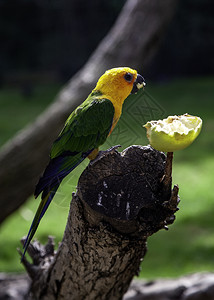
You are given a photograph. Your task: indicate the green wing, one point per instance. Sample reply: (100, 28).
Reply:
(87, 127)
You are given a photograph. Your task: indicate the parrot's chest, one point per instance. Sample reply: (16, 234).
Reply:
(116, 117)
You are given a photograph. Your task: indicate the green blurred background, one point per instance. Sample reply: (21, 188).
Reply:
(38, 56)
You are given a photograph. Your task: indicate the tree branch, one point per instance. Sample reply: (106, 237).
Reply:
(198, 286)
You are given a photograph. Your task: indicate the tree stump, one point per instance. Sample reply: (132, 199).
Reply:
(121, 199)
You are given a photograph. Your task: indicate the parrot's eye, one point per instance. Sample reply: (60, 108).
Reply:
(128, 77)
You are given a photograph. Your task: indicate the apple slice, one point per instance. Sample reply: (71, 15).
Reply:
(173, 133)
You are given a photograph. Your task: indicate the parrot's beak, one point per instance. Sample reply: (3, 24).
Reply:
(138, 84)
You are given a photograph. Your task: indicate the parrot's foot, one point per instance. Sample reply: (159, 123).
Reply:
(103, 153)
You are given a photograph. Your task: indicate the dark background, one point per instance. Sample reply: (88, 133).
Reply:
(43, 40)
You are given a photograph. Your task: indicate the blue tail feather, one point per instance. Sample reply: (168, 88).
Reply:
(56, 170)
(39, 214)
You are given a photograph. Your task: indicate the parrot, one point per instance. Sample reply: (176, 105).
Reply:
(87, 128)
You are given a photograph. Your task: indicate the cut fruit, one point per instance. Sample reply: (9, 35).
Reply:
(173, 133)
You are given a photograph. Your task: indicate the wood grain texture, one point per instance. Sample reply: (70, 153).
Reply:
(102, 248)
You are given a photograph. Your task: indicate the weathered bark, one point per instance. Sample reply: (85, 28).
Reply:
(120, 201)
(132, 41)
(14, 286)
(199, 286)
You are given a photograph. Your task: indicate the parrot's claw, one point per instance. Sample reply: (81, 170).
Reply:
(103, 153)
(112, 149)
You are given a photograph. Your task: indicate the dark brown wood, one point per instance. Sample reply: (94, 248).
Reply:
(120, 201)
(132, 41)
(167, 178)
(198, 286)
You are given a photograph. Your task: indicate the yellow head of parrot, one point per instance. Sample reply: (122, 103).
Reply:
(116, 84)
